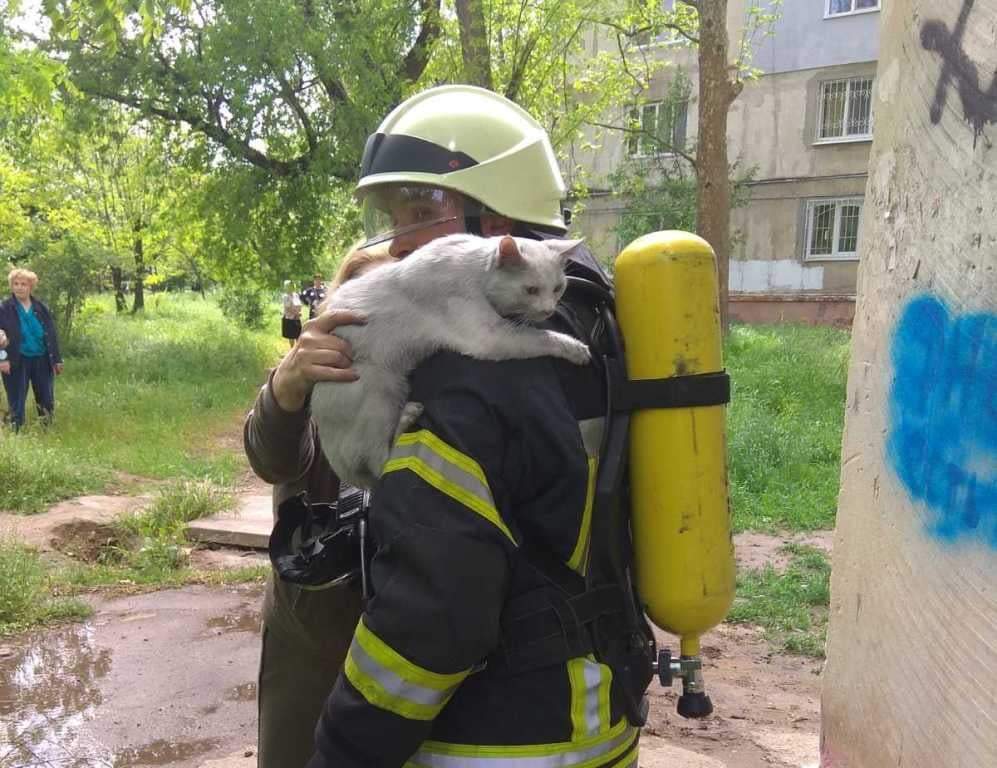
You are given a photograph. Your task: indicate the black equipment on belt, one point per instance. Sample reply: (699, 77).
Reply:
(322, 545)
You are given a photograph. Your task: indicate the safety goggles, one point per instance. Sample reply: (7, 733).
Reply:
(395, 210)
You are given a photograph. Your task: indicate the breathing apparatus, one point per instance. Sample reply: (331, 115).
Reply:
(660, 537)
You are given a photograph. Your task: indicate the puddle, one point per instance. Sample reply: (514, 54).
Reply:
(163, 752)
(247, 619)
(48, 691)
(244, 692)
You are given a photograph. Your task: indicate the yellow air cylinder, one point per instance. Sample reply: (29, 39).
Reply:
(668, 310)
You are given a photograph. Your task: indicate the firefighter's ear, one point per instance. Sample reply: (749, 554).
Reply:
(508, 253)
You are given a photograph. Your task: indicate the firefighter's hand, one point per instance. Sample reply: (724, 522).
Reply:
(3, 340)
(58, 369)
(318, 355)
(5, 366)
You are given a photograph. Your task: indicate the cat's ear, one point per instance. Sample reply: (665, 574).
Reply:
(563, 248)
(508, 253)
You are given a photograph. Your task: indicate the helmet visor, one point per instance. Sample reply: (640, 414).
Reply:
(393, 210)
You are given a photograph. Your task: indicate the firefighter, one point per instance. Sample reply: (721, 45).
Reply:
(497, 475)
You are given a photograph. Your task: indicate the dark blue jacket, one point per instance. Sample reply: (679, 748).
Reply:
(11, 325)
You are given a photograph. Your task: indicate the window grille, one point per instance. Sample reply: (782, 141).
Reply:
(845, 109)
(832, 228)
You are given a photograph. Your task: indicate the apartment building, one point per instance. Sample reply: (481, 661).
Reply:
(804, 129)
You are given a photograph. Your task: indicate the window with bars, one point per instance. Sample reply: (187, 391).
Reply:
(833, 228)
(845, 109)
(658, 128)
(849, 7)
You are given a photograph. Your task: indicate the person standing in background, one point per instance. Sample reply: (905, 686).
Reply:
(314, 295)
(32, 348)
(290, 324)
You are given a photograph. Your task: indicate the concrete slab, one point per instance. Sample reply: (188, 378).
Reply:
(248, 526)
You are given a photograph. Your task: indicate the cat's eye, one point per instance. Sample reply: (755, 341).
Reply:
(532, 290)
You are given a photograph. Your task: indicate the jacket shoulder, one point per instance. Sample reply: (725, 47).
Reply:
(497, 382)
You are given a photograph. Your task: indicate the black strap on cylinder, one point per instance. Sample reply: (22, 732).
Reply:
(689, 391)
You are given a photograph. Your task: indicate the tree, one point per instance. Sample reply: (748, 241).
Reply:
(703, 23)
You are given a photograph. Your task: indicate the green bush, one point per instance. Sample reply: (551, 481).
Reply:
(245, 305)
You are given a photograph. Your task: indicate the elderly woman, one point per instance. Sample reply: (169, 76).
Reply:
(32, 348)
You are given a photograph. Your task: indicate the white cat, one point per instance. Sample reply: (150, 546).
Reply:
(468, 294)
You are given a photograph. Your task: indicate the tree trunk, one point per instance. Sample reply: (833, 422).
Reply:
(120, 303)
(474, 43)
(911, 676)
(138, 304)
(716, 92)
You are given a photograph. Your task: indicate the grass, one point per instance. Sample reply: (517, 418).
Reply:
(25, 599)
(784, 425)
(791, 607)
(147, 395)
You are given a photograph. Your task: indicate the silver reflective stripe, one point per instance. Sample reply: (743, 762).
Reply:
(569, 758)
(447, 469)
(395, 685)
(593, 679)
(592, 430)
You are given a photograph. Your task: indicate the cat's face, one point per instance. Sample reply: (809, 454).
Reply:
(527, 277)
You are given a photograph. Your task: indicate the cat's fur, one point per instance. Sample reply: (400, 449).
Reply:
(463, 293)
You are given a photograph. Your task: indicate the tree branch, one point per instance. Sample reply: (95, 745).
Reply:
(657, 139)
(415, 61)
(292, 100)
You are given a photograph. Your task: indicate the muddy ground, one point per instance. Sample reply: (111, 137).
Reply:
(168, 678)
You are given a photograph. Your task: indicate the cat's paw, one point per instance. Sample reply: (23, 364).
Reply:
(575, 351)
(409, 416)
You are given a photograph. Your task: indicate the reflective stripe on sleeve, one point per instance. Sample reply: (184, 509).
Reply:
(449, 471)
(389, 681)
(617, 747)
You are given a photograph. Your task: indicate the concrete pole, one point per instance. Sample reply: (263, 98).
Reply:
(911, 678)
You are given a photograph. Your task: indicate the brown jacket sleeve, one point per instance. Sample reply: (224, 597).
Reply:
(283, 449)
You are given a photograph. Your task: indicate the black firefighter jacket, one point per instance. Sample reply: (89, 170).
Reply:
(498, 464)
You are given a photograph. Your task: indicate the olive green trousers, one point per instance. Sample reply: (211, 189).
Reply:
(306, 635)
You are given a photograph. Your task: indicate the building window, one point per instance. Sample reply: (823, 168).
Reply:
(845, 110)
(850, 7)
(659, 128)
(833, 228)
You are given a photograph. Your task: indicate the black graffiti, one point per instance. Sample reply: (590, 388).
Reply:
(979, 107)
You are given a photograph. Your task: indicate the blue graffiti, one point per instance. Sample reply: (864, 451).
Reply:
(943, 413)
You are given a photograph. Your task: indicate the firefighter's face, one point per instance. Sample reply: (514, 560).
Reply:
(408, 217)
(21, 287)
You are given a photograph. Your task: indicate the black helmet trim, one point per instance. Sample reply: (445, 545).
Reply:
(398, 153)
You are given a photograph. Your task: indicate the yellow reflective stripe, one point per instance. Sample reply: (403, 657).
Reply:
(603, 749)
(576, 680)
(388, 657)
(449, 471)
(389, 681)
(579, 556)
(630, 759)
(605, 685)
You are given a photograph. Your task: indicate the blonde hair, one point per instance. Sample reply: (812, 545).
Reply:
(26, 274)
(358, 258)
